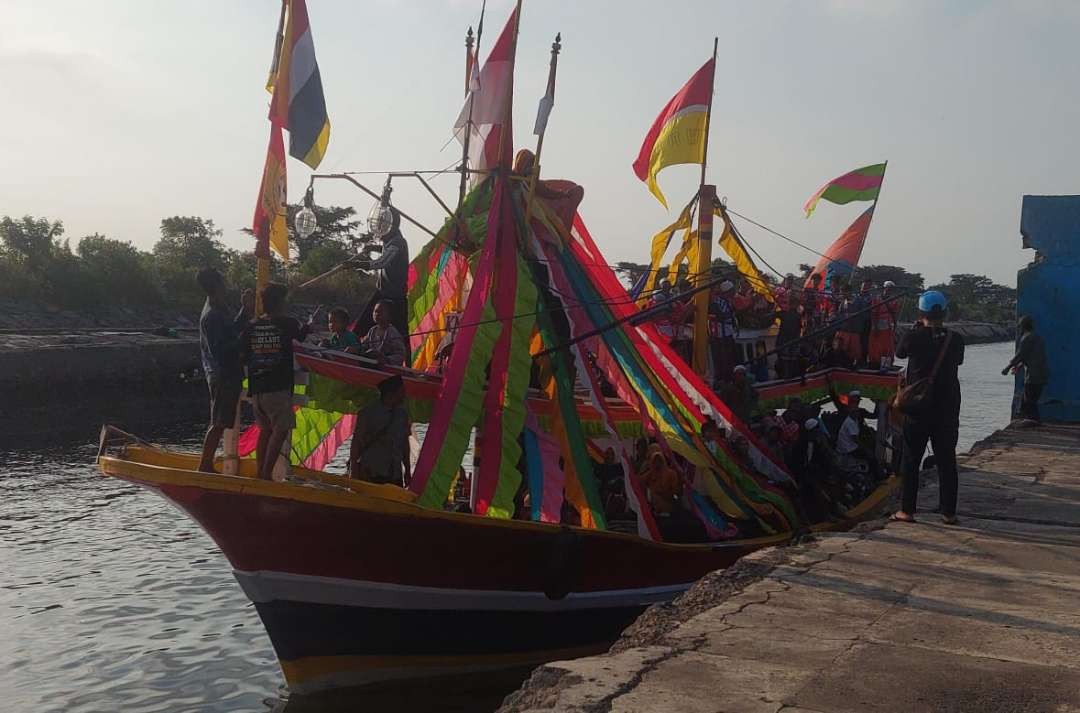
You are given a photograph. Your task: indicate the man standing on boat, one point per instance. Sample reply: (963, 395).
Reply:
(219, 344)
(391, 282)
(933, 353)
(885, 314)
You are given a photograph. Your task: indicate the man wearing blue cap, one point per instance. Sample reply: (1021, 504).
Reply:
(935, 353)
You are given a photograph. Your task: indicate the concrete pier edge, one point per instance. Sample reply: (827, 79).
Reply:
(886, 617)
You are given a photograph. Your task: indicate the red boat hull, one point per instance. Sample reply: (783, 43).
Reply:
(355, 588)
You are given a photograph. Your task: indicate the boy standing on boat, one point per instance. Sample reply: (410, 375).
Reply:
(219, 344)
(268, 355)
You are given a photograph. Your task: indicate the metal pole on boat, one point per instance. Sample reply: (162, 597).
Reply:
(703, 264)
(546, 103)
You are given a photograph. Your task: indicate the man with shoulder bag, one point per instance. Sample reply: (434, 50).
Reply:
(930, 403)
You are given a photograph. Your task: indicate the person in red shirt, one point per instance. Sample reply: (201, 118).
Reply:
(883, 327)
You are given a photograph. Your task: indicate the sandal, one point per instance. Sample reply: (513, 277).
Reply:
(901, 517)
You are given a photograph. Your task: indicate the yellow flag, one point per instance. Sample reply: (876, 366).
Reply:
(743, 263)
(678, 133)
(660, 243)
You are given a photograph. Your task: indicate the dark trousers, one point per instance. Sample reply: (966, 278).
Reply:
(723, 354)
(942, 435)
(1029, 402)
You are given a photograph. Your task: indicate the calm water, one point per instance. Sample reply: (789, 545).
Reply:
(112, 600)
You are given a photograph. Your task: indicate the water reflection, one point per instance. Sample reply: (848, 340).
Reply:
(112, 601)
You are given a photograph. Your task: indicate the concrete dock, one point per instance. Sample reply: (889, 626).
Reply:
(981, 617)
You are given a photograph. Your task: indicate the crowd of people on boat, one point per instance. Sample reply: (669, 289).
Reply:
(830, 454)
(818, 326)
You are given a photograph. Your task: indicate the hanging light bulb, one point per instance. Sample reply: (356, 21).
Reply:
(306, 222)
(380, 220)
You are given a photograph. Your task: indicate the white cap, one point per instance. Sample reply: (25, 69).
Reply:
(889, 283)
(740, 367)
(811, 424)
(726, 286)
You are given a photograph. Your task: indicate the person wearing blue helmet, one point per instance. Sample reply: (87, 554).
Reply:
(936, 353)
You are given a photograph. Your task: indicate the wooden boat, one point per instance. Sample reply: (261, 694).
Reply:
(359, 583)
(355, 583)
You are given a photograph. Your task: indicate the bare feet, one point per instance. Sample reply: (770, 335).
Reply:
(901, 516)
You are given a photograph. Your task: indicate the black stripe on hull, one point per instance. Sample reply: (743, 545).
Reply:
(298, 630)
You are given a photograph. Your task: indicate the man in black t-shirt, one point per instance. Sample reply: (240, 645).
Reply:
(939, 420)
(268, 355)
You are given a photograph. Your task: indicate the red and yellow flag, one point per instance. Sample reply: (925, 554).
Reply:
(269, 225)
(678, 134)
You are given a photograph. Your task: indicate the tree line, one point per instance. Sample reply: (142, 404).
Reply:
(38, 263)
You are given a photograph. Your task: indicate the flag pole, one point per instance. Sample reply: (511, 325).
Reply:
(470, 58)
(534, 178)
(708, 112)
(873, 212)
(702, 268)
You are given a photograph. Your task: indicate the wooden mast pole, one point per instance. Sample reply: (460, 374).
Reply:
(703, 264)
(262, 248)
(549, 97)
(470, 58)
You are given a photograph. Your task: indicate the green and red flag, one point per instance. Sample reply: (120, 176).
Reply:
(862, 184)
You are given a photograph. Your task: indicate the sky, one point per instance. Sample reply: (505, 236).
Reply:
(121, 112)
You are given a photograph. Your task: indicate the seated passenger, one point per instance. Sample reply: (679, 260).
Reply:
(380, 446)
(663, 485)
(739, 395)
(835, 355)
(341, 337)
(384, 342)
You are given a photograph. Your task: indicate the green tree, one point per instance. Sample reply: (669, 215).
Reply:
(187, 245)
(125, 273)
(977, 298)
(31, 242)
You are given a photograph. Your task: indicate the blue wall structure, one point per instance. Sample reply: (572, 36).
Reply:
(1048, 289)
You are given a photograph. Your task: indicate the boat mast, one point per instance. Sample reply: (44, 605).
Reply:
(703, 264)
(471, 59)
(546, 104)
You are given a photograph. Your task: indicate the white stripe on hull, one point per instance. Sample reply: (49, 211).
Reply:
(267, 586)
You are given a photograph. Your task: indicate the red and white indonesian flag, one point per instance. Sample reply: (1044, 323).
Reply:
(485, 114)
(678, 134)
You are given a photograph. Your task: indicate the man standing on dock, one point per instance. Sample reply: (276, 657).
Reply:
(933, 353)
(1030, 354)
